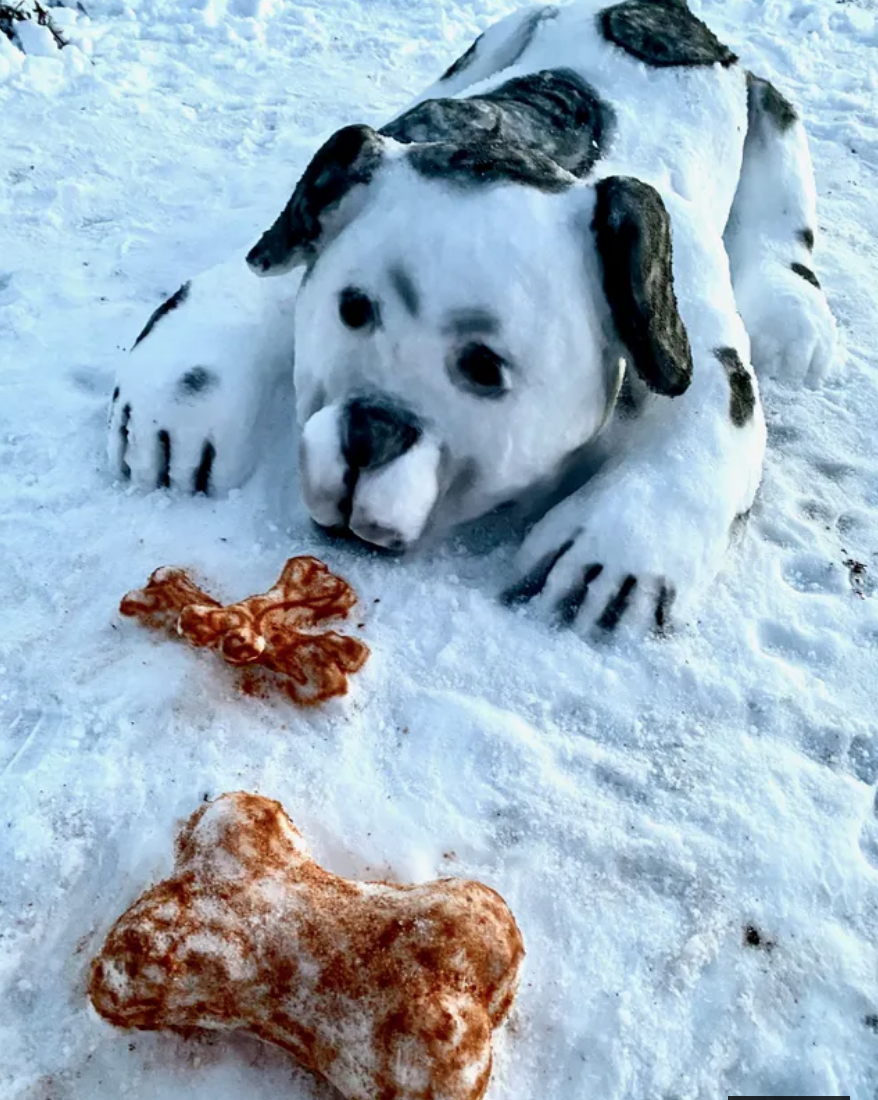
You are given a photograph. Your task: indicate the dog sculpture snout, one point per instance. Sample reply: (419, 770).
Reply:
(375, 432)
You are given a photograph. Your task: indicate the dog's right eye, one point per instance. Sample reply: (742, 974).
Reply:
(481, 370)
(356, 309)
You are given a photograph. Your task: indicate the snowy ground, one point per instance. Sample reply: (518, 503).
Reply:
(646, 812)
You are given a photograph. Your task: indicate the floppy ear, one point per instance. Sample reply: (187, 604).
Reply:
(633, 234)
(324, 201)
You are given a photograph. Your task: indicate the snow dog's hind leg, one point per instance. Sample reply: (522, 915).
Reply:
(770, 238)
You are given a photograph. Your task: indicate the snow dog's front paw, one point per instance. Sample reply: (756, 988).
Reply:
(190, 395)
(616, 555)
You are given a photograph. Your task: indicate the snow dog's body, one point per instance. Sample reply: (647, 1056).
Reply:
(555, 268)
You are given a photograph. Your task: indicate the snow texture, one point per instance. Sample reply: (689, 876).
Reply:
(683, 828)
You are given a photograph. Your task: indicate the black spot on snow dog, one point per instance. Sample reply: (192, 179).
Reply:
(806, 273)
(486, 162)
(806, 236)
(742, 399)
(508, 52)
(662, 33)
(176, 299)
(557, 111)
(464, 61)
(553, 113)
(633, 235)
(765, 100)
(459, 120)
(195, 381)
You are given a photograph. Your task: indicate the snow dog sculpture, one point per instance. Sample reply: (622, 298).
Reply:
(544, 284)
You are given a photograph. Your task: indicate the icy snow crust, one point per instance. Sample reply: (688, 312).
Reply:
(683, 828)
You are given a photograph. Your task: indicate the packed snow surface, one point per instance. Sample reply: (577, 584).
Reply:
(683, 827)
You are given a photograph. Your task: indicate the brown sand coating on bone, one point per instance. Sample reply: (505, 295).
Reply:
(167, 592)
(281, 630)
(388, 991)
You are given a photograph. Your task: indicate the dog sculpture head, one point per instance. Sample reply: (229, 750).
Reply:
(468, 305)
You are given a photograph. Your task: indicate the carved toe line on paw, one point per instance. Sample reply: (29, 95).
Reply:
(164, 449)
(535, 581)
(569, 605)
(806, 273)
(667, 595)
(618, 605)
(201, 482)
(124, 468)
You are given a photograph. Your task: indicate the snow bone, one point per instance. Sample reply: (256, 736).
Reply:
(385, 990)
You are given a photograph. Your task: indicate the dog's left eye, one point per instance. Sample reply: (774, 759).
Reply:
(356, 309)
(481, 370)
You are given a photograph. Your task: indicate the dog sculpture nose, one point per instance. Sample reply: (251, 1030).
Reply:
(375, 432)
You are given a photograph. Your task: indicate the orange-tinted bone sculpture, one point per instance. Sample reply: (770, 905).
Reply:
(388, 991)
(279, 630)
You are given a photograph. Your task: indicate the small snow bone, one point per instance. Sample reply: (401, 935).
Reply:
(387, 991)
(280, 630)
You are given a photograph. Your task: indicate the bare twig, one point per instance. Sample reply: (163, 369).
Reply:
(10, 14)
(45, 20)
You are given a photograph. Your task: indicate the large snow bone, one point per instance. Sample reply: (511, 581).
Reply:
(388, 991)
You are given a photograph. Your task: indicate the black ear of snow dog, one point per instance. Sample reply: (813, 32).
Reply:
(633, 234)
(322, 201)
